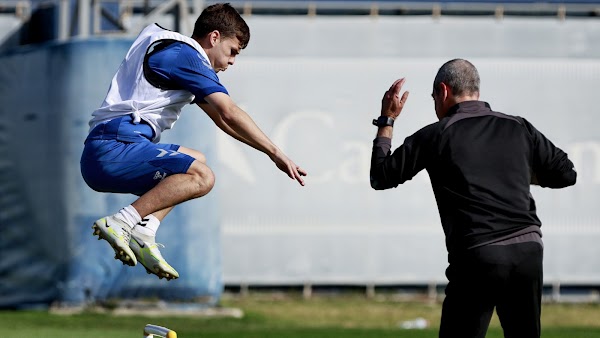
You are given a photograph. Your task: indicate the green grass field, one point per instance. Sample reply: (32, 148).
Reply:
(285, 315)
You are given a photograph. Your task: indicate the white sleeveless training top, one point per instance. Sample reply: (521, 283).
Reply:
(131, 94)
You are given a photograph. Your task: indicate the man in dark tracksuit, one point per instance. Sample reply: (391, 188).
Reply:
(481, 164)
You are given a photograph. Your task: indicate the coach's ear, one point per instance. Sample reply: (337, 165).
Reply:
(441, 95)
(445, 92)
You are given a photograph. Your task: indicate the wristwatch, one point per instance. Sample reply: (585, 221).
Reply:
(383, 121)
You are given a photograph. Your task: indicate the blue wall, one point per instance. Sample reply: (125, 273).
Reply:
(47, 250)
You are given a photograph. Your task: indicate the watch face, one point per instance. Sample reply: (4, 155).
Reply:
(383, 121)
(386, 121)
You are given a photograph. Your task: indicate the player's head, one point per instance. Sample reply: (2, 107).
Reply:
(223, 33)
(456, 81)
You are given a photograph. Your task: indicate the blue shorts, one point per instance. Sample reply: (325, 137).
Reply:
(119, 157)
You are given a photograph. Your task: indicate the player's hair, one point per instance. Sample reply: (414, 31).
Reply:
(460, 75)
(225, 19)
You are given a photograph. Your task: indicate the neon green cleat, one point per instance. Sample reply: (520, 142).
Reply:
(149, 255)
(117, 233)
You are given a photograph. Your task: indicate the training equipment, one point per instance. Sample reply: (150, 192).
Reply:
(117, 233)
(151, 331)
(149, 255)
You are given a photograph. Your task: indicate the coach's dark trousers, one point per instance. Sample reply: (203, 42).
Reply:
(506, 277)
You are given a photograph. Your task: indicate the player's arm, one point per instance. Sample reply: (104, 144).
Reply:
(179, 66)
(237, 123)
(216, 117)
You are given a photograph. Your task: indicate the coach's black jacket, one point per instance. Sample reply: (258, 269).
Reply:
(481, 164)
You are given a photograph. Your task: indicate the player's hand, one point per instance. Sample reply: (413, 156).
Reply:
(289, 167)
(392, 103)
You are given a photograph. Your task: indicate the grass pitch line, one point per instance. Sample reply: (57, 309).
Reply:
(152, 331)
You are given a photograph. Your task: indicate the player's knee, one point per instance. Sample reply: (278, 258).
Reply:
(203, 179)
(208, 180)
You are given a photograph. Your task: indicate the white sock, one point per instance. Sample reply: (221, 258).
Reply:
(129, 215)
(147, 226)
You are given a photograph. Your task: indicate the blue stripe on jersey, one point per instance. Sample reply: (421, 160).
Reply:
(181, 65)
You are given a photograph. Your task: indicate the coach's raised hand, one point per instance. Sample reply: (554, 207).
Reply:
(392, 103)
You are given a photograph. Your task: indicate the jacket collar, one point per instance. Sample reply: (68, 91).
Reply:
(469, 107)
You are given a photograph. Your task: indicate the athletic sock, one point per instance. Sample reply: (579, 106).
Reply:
(129, 215)
(147, 228)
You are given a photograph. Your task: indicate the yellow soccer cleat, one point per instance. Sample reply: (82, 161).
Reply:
(149, 255)
(117, 233)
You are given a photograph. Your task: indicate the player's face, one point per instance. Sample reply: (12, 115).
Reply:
(226, 49)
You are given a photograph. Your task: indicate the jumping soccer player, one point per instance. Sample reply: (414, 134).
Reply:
(162, 72)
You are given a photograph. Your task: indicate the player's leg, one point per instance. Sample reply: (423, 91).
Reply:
(159, 173)
(175, 189)
(519, 308)
(159, 201)
(161, 214)
(146, 249)
(197, 155)
(143, 242)
(104, 169)
(149, 224)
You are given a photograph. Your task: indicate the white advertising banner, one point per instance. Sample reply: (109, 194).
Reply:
(336, 229)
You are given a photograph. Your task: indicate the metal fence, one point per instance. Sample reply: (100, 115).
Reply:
(84, 18)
